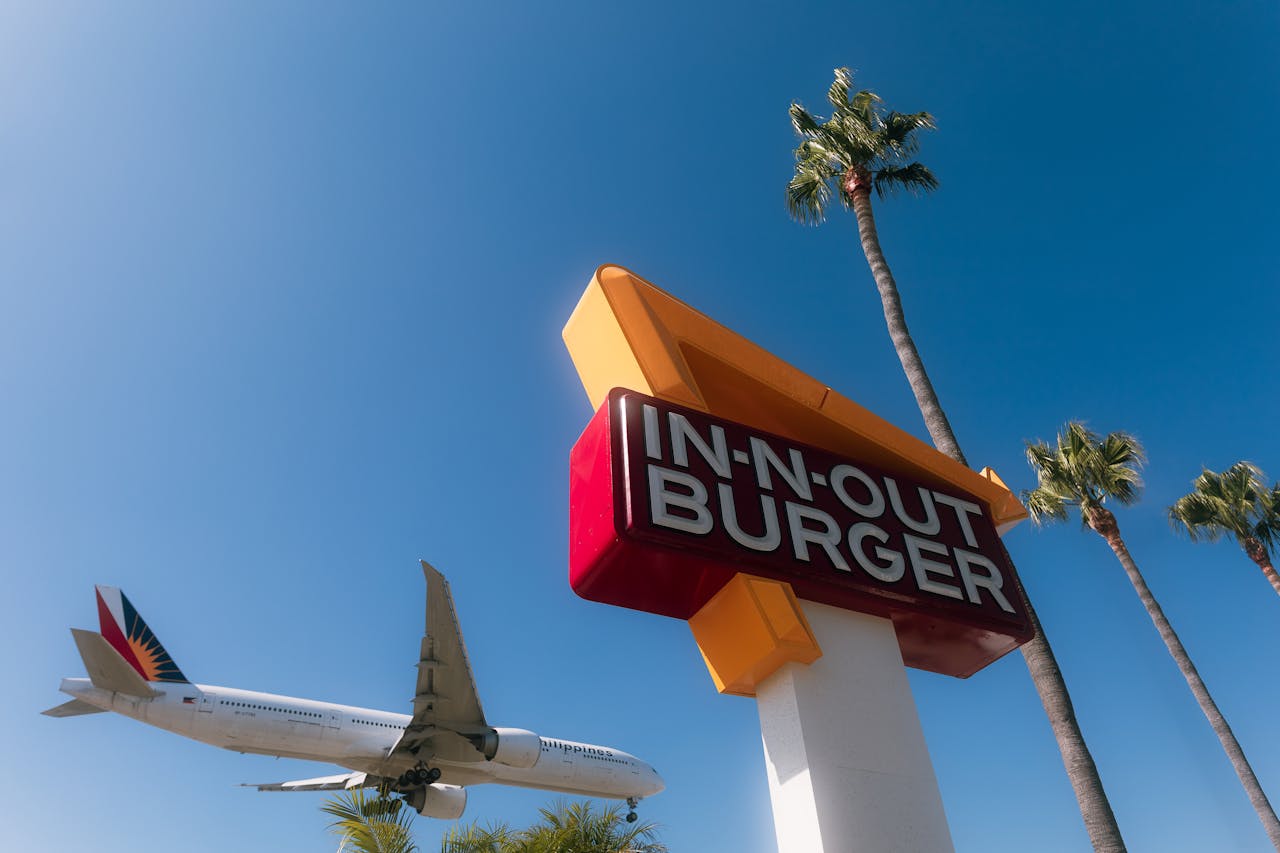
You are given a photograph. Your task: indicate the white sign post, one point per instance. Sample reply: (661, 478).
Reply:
(849, 771)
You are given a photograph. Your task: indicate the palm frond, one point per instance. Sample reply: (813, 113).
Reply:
(816, 151)
(914, 178)
(1117, 459)
(809, 191)
(863, 107)
(1044, 506)
(842, 149)
(899, 131)
(1268, 527)
(838, 93)
(1199, 516)
(802, 121)
(826, 138)
(473, 838)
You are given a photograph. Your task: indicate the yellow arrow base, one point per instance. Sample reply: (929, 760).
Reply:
(748, 630)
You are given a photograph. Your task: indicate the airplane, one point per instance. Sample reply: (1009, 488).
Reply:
(446, 738)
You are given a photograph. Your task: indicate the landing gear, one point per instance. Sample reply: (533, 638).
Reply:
(632, 802)
(419, 776)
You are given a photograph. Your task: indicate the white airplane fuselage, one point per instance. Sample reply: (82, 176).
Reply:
(360, 739)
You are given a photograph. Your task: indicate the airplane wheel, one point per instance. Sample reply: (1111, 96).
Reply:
(631, 817)
(432, 775)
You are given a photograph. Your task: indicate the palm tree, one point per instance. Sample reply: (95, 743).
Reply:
(1235, 502)
(860, 148)
(563, 828)
(1085, 471)
(371, 824)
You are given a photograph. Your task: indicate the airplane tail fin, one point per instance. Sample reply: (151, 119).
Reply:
(128, 634)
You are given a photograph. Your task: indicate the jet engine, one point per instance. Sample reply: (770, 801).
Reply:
(445, 802)
(512, 747)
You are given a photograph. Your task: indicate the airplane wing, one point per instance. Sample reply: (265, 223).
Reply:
(445, 705)
(340, 782)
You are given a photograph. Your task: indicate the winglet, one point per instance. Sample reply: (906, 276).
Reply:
(132, 639)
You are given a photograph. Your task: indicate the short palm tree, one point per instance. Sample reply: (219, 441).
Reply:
(1086, 471)
(563, 828)
(495, 838)
(1235, 503)
(371, 823)
(861, 148)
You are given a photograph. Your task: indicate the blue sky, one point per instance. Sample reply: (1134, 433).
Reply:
(281, 292)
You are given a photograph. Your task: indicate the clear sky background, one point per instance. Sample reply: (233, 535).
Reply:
(281, 292)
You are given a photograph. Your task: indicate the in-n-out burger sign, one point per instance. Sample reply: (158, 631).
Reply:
(668, 503)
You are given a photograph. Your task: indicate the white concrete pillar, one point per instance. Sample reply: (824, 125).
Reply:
(849, 771)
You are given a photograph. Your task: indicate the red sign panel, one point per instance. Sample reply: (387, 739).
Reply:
(668, 503)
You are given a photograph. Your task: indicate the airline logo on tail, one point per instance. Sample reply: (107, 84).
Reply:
(129, 635)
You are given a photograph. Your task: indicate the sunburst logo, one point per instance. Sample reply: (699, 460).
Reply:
(153, 660)
(151, 657)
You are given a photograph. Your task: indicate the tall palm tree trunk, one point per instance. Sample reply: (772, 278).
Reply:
(1104, 524)
(1095, 808)
(1270, 572)
(1099, 820)
(934, 417)
(1259, 555)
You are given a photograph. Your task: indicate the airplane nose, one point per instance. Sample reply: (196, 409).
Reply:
(656, 785)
